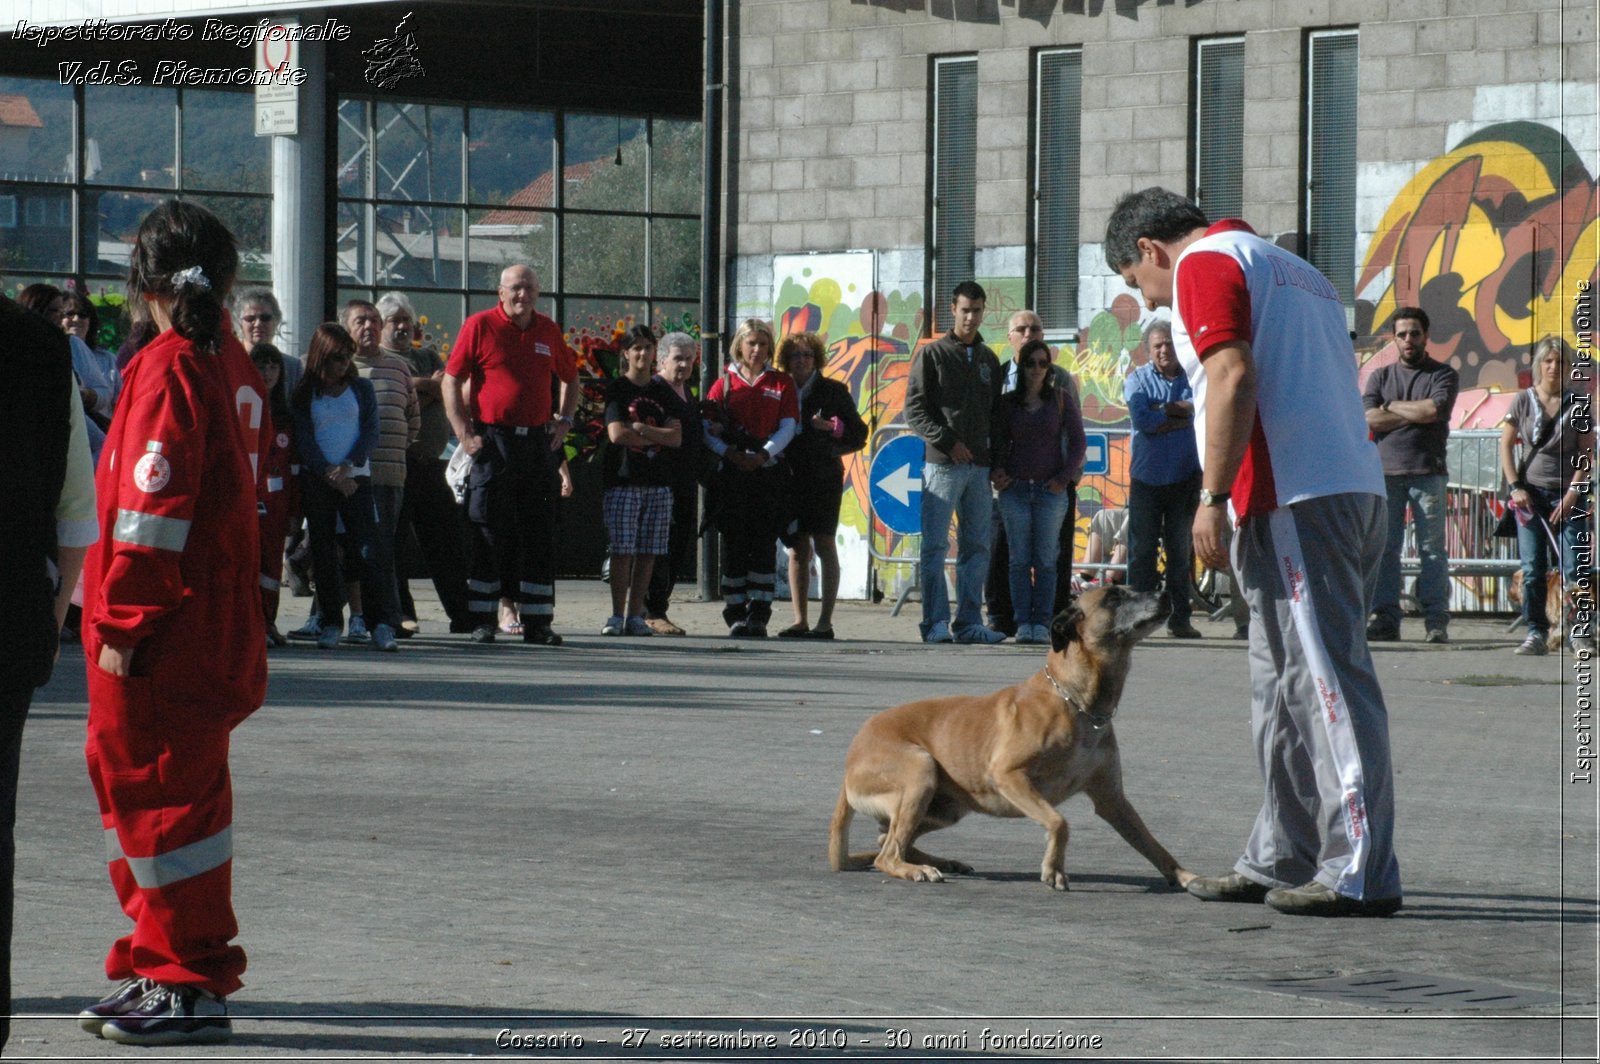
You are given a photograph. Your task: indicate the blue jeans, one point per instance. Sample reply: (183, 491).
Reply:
(1425, 494)
(961, 491)
(1537, 554)
(1033, 514)
(1162, 515)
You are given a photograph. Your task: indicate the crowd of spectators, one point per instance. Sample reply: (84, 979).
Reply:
(356, 470)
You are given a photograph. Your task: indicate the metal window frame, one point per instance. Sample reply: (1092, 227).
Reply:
(1198, 140)
(1035, 167)
(933, 278)
(1308, 133)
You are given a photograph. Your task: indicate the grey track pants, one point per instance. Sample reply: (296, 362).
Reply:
(1320, 726)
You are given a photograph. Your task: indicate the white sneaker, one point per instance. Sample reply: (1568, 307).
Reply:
(939, 633)
(172, 1016)
(613, 626)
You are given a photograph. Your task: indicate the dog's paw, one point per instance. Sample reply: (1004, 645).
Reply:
(956, 868)
(1054, 878)
(926, 874)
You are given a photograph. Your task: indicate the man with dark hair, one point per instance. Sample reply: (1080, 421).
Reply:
(1408, 406)
(1262, 337)
(952, 402)
(47, 524)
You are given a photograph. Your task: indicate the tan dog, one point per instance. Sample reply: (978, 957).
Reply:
(1017, 752)
(1563, 610)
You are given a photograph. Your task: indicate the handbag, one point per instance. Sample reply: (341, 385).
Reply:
(1506, 528)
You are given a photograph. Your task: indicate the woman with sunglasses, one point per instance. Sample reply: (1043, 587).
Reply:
(96, 367)
(1039, 455)
(335, 430)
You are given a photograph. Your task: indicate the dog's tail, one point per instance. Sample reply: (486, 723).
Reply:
(840, 859)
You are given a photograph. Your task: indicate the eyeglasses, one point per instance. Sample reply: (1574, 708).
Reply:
(1028, 328)
(73, 313)
(251, 319)
(334, 360)
(1403, 333)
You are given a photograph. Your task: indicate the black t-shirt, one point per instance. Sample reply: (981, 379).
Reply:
(628, 467)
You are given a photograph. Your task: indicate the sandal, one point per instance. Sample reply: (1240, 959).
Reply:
(514, 628)
(822, 631)
(795, 631)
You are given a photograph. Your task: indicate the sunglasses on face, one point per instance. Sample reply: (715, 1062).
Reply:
(1036, 363)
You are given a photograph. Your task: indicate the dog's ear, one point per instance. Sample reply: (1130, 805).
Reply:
(1064, 628)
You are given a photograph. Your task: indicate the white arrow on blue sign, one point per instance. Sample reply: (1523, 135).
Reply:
(1096, 454)
(896, 484)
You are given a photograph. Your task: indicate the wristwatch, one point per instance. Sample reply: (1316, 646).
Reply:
(1213, 498)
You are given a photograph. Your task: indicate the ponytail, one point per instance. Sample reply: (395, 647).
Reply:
(187, 259)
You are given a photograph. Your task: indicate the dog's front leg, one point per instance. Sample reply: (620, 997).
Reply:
(1017, 789)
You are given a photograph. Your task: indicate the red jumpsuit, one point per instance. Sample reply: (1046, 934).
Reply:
(280, 504)
(176, 575)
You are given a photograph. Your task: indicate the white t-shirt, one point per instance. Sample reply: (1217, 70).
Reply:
(1310, 438)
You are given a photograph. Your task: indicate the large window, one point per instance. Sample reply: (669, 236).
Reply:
(1330, 177)
(437, 200)
(79, 168)
(1058, 82)
(953, 158)
(1217, 165)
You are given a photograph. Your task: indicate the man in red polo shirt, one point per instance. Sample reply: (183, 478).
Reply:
(497, 395)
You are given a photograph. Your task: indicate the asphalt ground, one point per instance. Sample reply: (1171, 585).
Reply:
(464, 850)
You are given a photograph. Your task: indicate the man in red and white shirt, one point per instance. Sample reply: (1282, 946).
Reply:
(1281, 432)
(497, 394)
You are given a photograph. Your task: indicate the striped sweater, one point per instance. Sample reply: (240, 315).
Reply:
(399, 417)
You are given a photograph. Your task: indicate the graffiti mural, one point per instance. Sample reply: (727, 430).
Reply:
(1491, 239)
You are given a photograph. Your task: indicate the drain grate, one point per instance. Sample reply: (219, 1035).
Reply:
(1406, 990)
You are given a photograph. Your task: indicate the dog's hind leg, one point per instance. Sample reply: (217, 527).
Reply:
(918, 775)
(943, 864)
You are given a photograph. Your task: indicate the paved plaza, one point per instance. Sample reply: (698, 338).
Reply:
(564, 853)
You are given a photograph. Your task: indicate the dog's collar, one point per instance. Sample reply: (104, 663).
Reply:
(1095, 722)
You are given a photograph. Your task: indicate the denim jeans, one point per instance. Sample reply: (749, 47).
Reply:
(1162, 515)
(961, 491)
(1033, 514)
(1425, 494)
(1537, 554)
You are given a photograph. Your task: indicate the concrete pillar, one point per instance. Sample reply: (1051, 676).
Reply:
(299, 210)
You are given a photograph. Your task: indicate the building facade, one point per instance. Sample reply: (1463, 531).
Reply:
(1440, 152)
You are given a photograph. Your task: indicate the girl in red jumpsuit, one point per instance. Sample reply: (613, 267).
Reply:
(279, 486)
(173, 635)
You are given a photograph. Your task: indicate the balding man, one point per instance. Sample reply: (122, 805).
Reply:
(1025, 325)
(511, 354)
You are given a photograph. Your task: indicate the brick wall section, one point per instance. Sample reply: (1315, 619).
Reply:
(834, 105)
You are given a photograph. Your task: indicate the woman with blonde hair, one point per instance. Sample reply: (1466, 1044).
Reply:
(830, 428)
(1550, 486)
(753, 414)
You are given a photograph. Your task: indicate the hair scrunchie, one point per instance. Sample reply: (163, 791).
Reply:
(193, 275)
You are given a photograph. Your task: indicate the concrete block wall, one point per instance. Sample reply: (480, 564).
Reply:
(832, 138)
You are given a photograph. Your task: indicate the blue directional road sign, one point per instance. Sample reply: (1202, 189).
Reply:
(896, 484)
(1097, 454)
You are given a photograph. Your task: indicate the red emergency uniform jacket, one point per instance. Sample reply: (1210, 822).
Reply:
(177, 568)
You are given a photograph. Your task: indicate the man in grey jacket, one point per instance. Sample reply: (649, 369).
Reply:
(952, 402)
